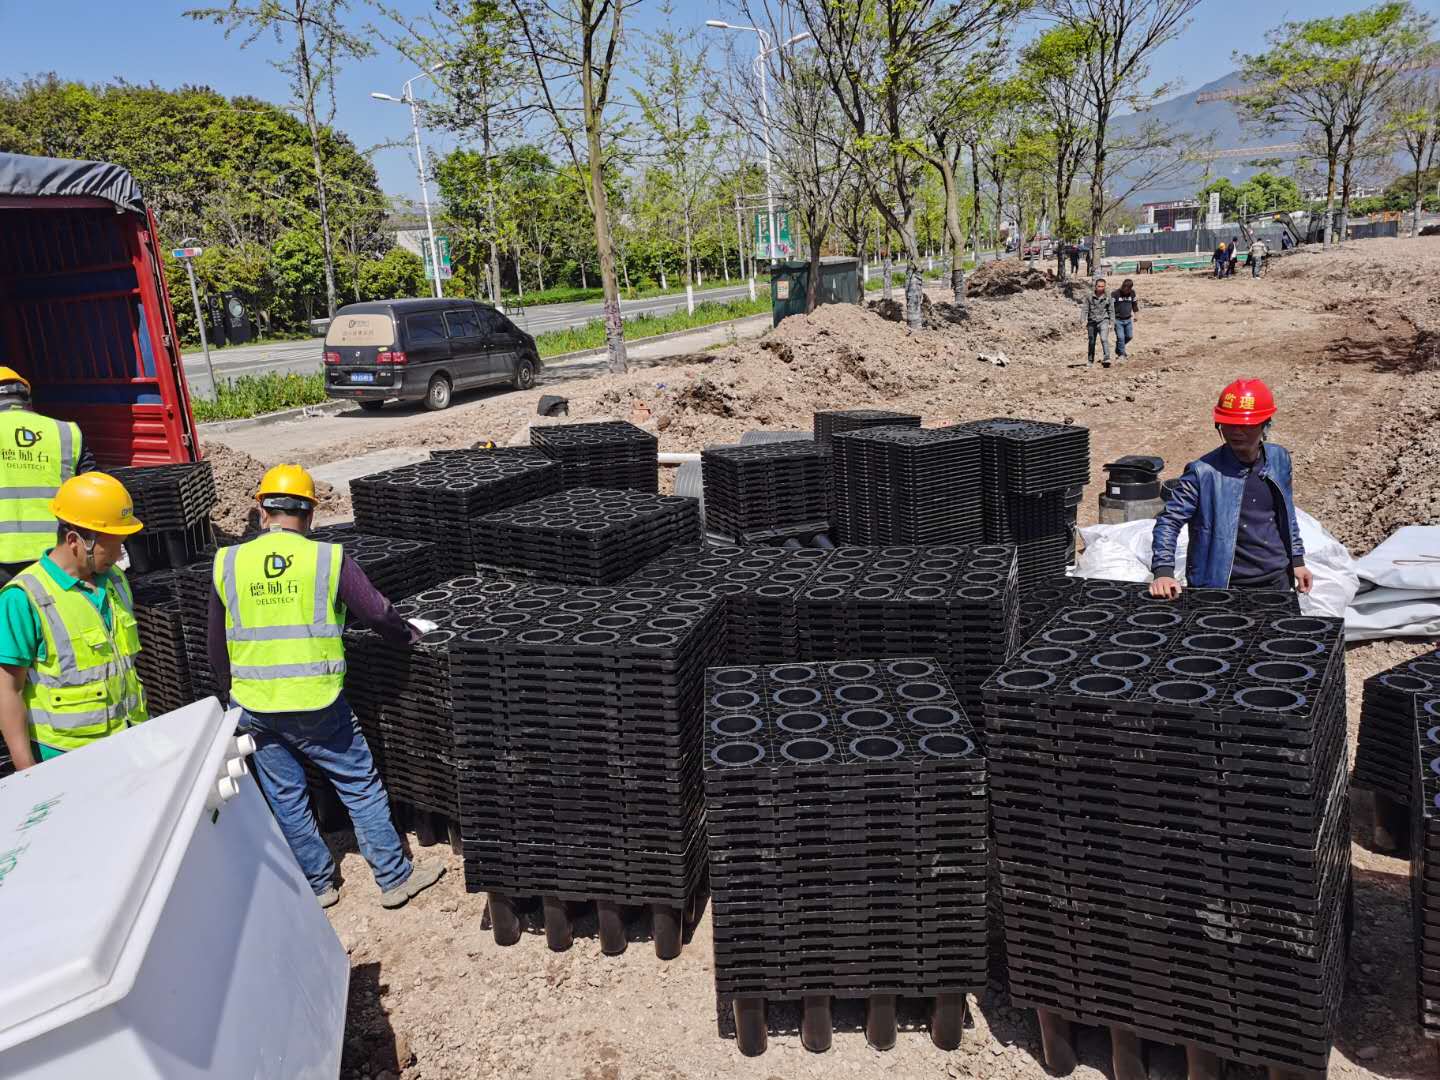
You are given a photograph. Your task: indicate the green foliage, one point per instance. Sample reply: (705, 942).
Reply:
(592, 334)
(399, 274)
(1262, 192)
(254, 395)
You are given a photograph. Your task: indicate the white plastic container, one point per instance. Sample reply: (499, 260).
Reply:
(155, 923)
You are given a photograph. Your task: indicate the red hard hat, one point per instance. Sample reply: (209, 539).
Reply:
(1244, 402)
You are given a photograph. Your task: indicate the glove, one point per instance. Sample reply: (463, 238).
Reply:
(423, 626)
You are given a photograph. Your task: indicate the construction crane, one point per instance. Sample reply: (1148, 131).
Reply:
(1250, 151)
(1423, 64)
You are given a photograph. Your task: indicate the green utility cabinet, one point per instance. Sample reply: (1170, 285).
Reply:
(839, 284)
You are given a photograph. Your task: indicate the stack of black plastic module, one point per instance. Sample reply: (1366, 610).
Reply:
(163, 663)
(833, 422)
(767, 491)
(1425, 858)
(397, 567)
(402, 696)
(612, 454)
(1031, 469)
(956, 603)
(588, 536)
(846, 818)
(908, 485)
(1170, 808)
(445, 498)
(1385, 750)
(578, 718)
(174, 503)
(193, 585)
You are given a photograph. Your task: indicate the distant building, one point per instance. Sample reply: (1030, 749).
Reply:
(1170, 215)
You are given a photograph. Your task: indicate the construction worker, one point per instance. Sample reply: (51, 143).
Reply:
(68, 636)
(1258, 250)
(276, 619)
(37, 455)
(1238, 506)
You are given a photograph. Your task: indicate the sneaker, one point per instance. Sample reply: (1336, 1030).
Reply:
(329, 898)
(1105, 363)
(421, 878)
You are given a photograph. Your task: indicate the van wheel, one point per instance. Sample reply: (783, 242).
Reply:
(524, 374)
(372, 406)
(438, 396)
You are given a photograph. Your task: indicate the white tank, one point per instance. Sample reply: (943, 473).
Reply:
(157, 925)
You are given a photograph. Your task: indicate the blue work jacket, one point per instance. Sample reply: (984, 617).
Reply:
(1207, 501)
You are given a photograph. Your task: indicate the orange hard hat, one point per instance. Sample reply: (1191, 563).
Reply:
(1245, 402)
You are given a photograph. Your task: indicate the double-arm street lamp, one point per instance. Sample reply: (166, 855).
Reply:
(407, 97)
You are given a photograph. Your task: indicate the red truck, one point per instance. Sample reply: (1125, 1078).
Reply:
(84, 312)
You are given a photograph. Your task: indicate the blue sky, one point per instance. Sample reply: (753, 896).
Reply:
(151, 42)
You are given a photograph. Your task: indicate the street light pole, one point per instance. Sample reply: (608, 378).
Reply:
(407, 97)
(192, 249)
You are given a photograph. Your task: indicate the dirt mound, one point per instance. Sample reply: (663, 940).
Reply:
(237, 475)
(934, 315)
(1006, 277)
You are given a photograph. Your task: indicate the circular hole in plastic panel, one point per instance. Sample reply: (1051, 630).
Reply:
(1224, 621)
(1269, 698)
(1183, 691)
(792, 673)
(920, 691)
(1026, 679)
(797, 697)
(1292, 647)
(1119, 660)
(1302, 624)
(1069, 635)
(934, 716)
(946, 745)
(736, 725)
(858, 694)
(1100, 685)
(1138, 639)
(851, 670)
(737, 754)
(735, 699)
(808, 751)
(1203, 667)
(1212, 643)
(1281, 671)
(866, 719)
(1048, 656)
(1155, 620)
(877, 747)
(909, 669)
(801, 722)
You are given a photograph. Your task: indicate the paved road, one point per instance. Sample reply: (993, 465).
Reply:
(305, 355)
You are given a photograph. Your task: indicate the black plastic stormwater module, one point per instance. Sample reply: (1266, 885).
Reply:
(1171, 821)
(957, 603)
(578, 716)
(846, 822)
(444, 498)
(1384, 753)
(163, 663)
(587, 536)
(907, 485)
(610, 454)
(1425, 858)
(766, 491)
(832, 422)
(174, 502)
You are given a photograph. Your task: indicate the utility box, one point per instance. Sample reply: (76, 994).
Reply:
(1132, 489)
(161, 929)
(789, 281)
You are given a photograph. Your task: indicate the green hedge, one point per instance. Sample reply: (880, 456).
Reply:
(252, 395)
(592, 334)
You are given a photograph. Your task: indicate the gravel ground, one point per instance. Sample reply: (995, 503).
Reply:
(1346, 341)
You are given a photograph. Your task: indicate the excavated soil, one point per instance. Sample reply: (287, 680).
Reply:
(1347, 342)
(238, 475)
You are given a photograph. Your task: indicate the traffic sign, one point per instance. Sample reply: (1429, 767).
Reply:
(188, 252)
(446, 269)
(784, 244)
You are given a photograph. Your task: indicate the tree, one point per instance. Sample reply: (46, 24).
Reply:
(1048, 66)
(1414, 120)
(1119, 36)
(399, 273)
(1265, 192)
(320, 42)
(1228, 192)
(574, 48)
(878, 58)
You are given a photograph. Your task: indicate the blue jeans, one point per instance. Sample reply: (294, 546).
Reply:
(331, 739)
(1124, 331)
(1097, 330)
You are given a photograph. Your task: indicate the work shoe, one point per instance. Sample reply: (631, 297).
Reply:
(421, 877)
(1105, 363)
(329, 898)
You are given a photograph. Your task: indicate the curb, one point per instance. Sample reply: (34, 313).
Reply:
(328, 408)
(561, 358)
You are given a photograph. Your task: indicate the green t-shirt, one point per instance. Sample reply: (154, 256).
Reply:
(22, 639)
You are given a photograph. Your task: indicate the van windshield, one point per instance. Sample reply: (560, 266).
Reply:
(361, 330)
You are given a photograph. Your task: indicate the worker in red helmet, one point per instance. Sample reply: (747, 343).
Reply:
(1238, 506)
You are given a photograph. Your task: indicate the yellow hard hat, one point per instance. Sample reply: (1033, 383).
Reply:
(9, 375)
(290, 480)
(98, 502)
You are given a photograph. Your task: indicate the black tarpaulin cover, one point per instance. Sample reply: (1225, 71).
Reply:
(22, 174)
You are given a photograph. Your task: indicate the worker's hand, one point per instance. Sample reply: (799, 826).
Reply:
(1304, 579)
(422, 626)
(1165, 588)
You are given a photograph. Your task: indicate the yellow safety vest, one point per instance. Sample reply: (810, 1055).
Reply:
(37, 455)
(86, 687)
(283, 622)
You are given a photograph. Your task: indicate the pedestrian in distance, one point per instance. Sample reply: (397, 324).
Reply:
(68, 635)
(1089, 255)
(1237, 505)
(44, 453)
(1221, 258)
(1127, 304)
(277, 616)
(1258, 250)
(1072, 251)
(1233, 255)
(1099, 321)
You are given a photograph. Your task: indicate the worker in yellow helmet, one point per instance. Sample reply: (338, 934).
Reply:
(277, 616)
(68, 636)
(37, 455)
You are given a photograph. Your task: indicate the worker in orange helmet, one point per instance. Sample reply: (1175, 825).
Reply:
(1238, 505)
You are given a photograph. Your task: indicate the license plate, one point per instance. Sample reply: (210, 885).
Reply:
(362, 376)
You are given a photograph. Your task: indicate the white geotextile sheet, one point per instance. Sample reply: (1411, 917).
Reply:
(1399, 587)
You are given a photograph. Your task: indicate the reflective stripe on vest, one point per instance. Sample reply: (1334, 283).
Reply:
(284, 623)
(86, 687)
(41, 454)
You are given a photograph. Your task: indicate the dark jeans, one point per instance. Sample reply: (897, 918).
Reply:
(331, 739)
(1095, 330)
(1281, 581)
